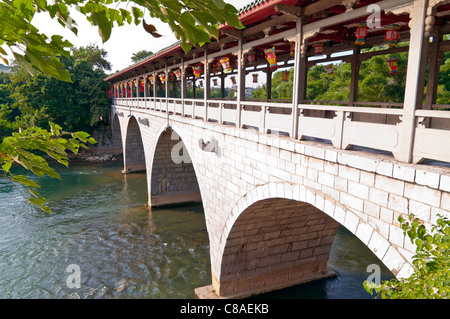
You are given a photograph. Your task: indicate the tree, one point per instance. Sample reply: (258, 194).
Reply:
(78, 105)
(140, 55)
(192, 21)
(20, 149)
(94, 55)
(431, 277)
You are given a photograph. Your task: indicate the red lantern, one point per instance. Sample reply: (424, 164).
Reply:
(255, 77)
(292, 49)
(197, 71)
(177, 73)
(141, 85)
(393, 65)
(162, 77)
(233, 80)
(215, 82)
(216, 66)
(285, 76)
(251, 58)
(392, 35)
(330, 69)
(361, 33)
(226, 64)
(271, 57)
(318, 47)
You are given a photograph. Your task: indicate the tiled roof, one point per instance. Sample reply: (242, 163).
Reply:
(250, 5)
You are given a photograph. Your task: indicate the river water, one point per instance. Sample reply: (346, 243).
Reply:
(101, 225)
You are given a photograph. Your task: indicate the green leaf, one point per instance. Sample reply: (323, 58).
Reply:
(7, 166)
(40, 202)
(419, 243)
(24, 181)
(100, 19)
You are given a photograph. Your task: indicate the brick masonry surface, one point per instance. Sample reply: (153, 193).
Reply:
(364, 192)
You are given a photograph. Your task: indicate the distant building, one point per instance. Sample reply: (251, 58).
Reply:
(4, 68)
(248, 92)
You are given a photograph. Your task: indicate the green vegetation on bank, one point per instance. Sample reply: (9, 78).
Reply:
(34, 101)
(431, 263)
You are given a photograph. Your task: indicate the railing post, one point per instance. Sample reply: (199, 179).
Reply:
(154, 89)
(145, 91)
(413, 81)
(262, 128)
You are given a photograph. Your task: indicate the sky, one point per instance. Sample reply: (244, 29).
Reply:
(124, 40)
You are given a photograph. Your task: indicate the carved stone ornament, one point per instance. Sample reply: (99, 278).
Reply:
(210, 146)
(400, 10)
(349, 4)
(289, 10)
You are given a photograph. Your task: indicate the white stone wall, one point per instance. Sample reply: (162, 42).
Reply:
(364, 192)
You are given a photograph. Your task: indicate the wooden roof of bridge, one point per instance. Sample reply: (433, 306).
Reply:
(262, 14)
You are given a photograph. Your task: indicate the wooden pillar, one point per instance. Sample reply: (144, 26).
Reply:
(207, 84)
(194, 87)
(268, 83)
(155, 94)
(354, 76)
(166, 72)
(183, 85)
(240, 82)
(222, 84)
(433, 75)
(145, 90)
(297, 77)
(414, 86)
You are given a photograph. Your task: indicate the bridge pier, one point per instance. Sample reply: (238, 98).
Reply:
(134, 155)
(274, 243)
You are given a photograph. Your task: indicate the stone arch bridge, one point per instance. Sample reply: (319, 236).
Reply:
(273, 204)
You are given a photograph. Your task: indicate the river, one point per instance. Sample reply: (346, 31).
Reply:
(100, 224)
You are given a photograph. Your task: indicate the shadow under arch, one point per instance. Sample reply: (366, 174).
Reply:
(134, 155)
(173, 180)
(280, 235)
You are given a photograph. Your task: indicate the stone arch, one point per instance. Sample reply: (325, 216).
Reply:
(280, 234)
(173, 179)
(134, 155)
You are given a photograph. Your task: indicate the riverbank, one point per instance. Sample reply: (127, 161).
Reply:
(97, 157)
(106, 149)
